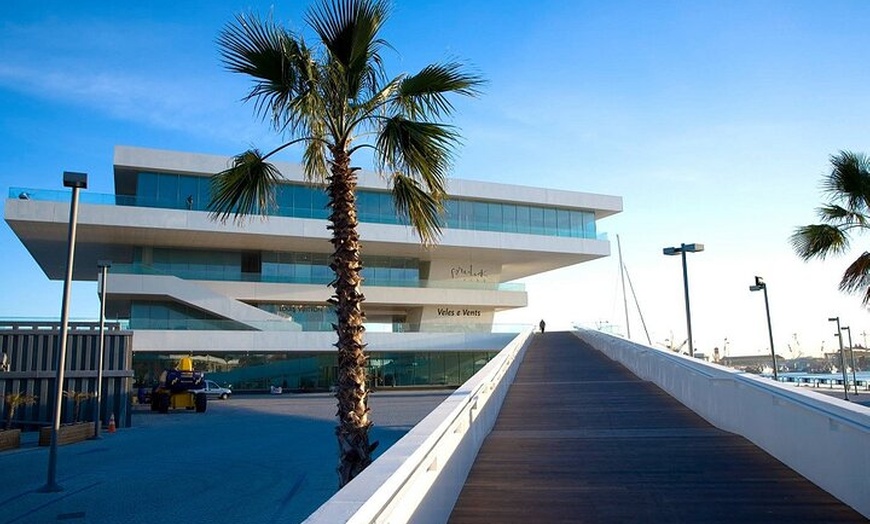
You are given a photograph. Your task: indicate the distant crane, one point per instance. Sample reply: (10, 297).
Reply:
(668, 343)
(795, 350)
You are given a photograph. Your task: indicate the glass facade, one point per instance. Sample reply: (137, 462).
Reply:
(279, 267)
(172, 315)
(185, 191)
(257, 372)
(309, 317)
(177, 191)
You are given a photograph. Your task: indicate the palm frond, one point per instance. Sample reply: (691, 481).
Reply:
(849, 180)
(314, 160)
(423, 150)
(349, 31)
(422, 207)
(425, 94)
(306, 108)
(840, 216)
(244, 189)
(366, 109)
(818, 241)
(857, 277)
(280, 63)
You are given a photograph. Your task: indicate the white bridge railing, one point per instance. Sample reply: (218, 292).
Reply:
(420, 477)
(823, 438)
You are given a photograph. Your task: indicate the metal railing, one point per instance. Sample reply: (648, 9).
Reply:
(239, 276)
(312, 212)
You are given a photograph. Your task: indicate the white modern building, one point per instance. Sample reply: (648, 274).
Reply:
(245, 296)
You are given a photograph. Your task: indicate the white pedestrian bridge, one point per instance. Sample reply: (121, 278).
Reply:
(420, 478)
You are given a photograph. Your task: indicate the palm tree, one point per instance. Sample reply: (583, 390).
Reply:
(334, 100)
(15, 401)
(848, 187)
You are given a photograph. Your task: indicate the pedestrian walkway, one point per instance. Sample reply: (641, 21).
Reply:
(251, 459)
(581, 439)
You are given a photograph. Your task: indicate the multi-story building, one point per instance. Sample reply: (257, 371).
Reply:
(249, 299)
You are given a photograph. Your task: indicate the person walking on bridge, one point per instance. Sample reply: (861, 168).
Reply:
(542, 325)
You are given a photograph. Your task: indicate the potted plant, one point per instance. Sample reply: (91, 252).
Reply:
(77, 430)
(78, 397)
(11, 438)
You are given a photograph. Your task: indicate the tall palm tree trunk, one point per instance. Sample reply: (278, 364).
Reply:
(352, 394)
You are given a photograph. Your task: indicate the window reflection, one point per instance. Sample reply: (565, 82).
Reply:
(176, 191)
(301, 372)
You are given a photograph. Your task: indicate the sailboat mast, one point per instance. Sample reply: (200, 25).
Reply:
(624, 297)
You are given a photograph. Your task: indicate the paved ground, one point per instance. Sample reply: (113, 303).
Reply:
(862, 397)
(248, 459)
(582, 439)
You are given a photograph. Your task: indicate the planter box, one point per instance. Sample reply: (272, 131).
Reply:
(67, 434)
(10, 438)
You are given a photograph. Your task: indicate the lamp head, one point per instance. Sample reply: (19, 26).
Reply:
(104, 263)
(72, 179)
(693, 248)
(834, 319)
(671, 251)
(759, 284)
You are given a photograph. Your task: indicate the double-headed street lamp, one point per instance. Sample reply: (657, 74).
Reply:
(682, 250)
(761, 286)
(839, 335)
(76, 181)
(852, 358)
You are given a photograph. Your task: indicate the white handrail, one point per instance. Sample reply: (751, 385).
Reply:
(421, 475)
(823, 438)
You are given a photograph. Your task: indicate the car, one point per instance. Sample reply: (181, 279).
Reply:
(212, 389)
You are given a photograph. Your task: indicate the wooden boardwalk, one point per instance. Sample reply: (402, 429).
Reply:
(581, 439)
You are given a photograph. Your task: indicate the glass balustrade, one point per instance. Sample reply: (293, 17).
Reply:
(186, 192)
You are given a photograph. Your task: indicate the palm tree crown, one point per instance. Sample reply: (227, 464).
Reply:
(333, 100)
(848, 187)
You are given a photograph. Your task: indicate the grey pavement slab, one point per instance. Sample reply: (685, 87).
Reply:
(247, 459)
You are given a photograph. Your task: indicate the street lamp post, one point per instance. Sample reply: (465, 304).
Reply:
(761, 286)
(682, 250)
(76, 181)
(839, 335)
(104, 266)
(852, 358)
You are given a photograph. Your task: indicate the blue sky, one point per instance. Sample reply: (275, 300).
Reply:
(713, 120)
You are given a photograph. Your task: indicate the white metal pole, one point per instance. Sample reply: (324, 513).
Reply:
(76, 181)
(104, 273)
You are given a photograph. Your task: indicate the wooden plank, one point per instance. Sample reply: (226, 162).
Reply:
(582, 439)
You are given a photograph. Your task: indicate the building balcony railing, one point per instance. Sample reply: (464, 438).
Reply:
(190, 324)
(461, 222)
(315, 326)
(238, 276)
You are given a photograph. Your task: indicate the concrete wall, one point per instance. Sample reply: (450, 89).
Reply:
(420, 477)
(824, 439)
